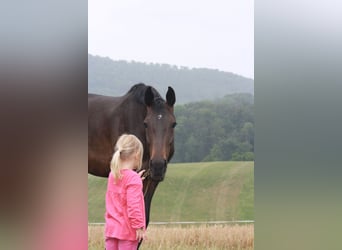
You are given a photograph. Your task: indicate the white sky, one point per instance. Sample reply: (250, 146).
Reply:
(216, 34)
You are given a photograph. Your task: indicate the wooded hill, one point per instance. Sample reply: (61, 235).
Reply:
(109, 77)
(218, 130)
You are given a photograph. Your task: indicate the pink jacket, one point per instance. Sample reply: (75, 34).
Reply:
(125, 208)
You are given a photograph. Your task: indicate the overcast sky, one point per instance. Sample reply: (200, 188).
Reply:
(216, 34)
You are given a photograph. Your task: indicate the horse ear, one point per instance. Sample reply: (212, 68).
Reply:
(170, 97)
(149, 96)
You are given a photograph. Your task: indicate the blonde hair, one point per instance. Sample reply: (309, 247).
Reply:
(127, 148)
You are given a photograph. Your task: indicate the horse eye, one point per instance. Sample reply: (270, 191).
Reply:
(174, 124)
(145, 124)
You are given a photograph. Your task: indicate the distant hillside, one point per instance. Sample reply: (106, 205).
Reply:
(217, 130)
(109, 77)
(204, 191)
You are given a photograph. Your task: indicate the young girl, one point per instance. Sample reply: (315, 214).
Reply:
(125, 209)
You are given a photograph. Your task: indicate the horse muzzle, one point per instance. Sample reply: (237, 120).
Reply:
(158, 169)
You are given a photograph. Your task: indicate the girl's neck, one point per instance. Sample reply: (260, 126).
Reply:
(127, 165)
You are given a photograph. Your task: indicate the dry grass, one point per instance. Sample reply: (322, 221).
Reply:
(212, 237)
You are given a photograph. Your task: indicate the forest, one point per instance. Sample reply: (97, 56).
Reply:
(215, 130)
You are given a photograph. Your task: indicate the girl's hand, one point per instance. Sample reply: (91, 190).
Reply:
(141, 174)
(140, 234)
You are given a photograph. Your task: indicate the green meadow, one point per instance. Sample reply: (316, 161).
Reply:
(205, 191)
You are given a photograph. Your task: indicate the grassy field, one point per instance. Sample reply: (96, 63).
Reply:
(213, 237)
(206, 191)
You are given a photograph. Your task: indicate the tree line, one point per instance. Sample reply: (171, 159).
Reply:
(215, 130)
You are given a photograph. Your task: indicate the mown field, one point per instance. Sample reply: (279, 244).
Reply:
(206, 191)
(206, 237)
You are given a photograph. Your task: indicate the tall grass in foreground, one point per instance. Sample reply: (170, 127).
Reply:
(211, 237)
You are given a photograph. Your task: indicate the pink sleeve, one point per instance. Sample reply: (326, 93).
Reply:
(135, 203)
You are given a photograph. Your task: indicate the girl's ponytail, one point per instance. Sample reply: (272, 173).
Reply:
(115, 165)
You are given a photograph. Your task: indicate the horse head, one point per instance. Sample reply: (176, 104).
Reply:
(159, 127)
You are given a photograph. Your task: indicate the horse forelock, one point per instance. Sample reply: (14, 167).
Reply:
(158, 101)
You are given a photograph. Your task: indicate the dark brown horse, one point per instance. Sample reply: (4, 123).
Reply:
(142, 112)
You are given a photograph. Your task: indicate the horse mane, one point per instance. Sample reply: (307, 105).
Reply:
(138, 91)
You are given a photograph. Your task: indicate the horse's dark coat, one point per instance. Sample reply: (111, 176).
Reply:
(142, 112)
